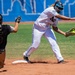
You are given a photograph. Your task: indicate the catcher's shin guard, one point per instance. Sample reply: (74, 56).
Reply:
(2, 59)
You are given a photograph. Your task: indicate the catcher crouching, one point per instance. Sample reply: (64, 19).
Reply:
(5, 30)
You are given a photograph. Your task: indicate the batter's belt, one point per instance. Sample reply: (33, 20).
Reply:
(2, 58)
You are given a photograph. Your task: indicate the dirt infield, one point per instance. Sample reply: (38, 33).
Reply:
(39, 68)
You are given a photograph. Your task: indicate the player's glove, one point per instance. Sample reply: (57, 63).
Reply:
(18, 19)
(71, 32)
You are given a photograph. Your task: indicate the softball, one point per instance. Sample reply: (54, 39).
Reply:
(73, 31)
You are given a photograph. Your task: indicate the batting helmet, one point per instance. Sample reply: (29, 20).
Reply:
(59, 5)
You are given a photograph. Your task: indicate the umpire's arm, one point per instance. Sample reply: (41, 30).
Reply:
(17, 21)
(15, 27)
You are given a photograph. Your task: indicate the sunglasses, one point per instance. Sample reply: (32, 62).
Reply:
(59, 8)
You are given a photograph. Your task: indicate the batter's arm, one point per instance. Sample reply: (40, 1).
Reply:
(58, 30)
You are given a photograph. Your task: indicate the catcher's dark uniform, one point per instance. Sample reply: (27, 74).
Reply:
(5, 30)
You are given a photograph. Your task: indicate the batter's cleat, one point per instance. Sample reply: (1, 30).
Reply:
(26, 59)
(62, 61)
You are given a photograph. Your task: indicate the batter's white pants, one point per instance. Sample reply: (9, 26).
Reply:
(49, 34)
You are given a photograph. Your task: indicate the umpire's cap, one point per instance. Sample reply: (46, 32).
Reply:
(1, 19)
(59, 5)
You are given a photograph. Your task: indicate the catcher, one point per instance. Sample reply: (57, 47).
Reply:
(5, 30)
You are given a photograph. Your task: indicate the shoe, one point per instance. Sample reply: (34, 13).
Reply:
(62, 61)
(26, 59)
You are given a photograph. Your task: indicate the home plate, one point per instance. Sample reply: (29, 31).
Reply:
(19, 62)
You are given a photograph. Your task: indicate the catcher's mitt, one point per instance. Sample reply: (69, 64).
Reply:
(18, 19)
(71, 32)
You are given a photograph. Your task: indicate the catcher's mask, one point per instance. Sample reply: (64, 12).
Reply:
(58, 6)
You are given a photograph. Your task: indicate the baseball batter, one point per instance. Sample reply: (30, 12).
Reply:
(44, 26)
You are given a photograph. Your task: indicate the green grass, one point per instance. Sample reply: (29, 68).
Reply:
(19, 42)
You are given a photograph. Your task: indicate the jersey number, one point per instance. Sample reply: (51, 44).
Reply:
(53, 19)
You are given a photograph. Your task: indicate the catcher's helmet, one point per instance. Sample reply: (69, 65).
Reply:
(59, 5)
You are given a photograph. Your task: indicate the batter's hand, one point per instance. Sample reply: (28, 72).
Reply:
(18, 19)
(71, 32)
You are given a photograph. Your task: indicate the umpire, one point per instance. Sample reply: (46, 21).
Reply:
(5, 30)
